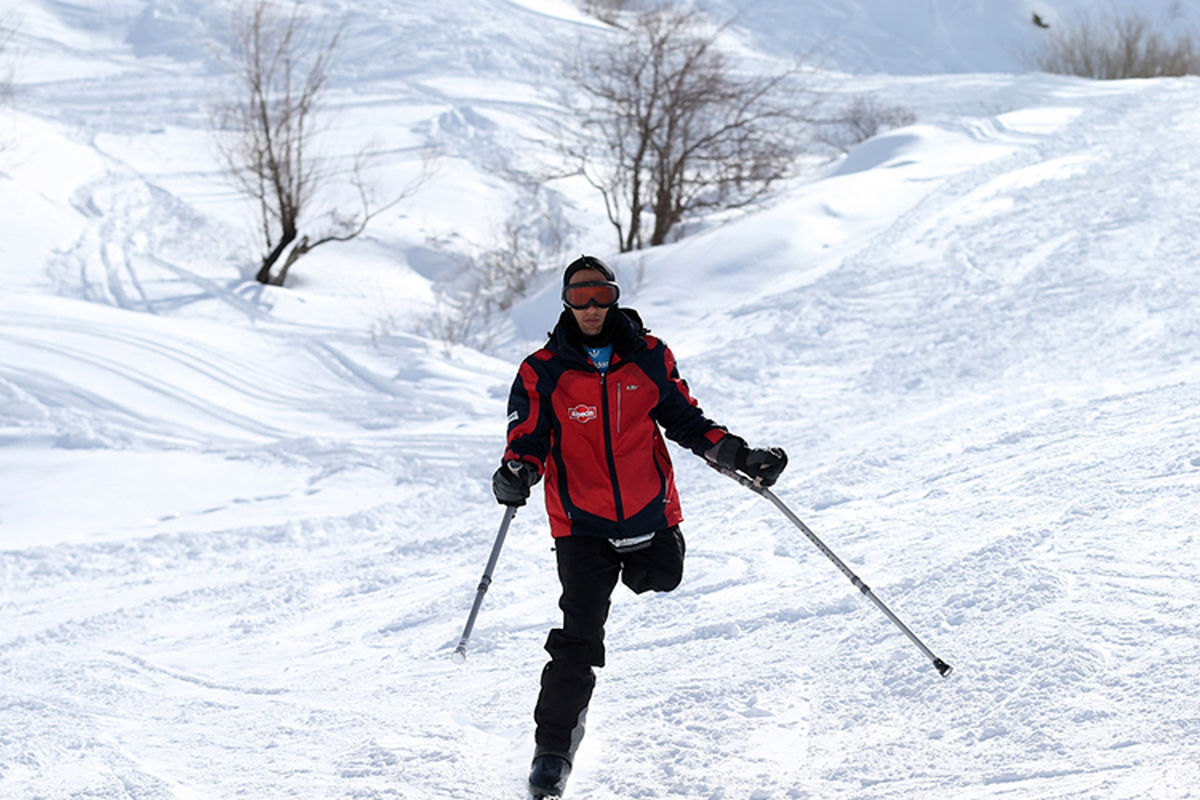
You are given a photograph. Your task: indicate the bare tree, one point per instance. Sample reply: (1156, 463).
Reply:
(266, 136)
(669, 129)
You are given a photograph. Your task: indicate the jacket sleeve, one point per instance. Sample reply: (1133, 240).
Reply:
(680, 415)
(528, 419)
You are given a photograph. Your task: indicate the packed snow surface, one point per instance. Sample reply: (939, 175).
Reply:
(241, 527)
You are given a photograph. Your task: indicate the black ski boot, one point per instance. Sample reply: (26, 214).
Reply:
(548, 777)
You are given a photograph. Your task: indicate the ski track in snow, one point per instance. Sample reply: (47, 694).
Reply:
(988, 397)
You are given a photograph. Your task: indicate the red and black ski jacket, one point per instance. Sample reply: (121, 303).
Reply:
(595, 436)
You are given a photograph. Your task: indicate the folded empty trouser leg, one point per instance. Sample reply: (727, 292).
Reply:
(657, 567)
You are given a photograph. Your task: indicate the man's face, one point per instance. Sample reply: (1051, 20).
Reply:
(590, 319)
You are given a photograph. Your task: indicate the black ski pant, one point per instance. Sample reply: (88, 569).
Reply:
(588, 569)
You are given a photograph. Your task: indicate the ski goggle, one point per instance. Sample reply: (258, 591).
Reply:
(590, 293)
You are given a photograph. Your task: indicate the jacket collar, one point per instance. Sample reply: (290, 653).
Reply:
(627, 332)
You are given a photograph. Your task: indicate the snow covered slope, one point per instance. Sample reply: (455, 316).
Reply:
(241, 528)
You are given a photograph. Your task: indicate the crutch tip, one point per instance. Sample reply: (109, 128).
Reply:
(942, 667)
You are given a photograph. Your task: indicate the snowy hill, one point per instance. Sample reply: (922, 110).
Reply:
(241, 527)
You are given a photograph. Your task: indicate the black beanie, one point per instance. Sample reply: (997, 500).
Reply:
(588, 262)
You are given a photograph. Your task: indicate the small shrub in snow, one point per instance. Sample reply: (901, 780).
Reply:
(866, 116)
(7, 68)
(607, 10)
(7, 72)
(497, 279)
(1119, 47)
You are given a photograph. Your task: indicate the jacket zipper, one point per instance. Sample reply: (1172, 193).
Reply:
(608, 444)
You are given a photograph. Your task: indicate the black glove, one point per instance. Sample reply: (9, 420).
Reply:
(763, 465)
(727, 452)
(511, 482)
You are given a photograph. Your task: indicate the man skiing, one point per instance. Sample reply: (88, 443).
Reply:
(588, 412)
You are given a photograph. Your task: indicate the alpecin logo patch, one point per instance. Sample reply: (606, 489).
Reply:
(582, 413)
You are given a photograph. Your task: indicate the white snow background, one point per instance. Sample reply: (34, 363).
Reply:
(241, 527)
